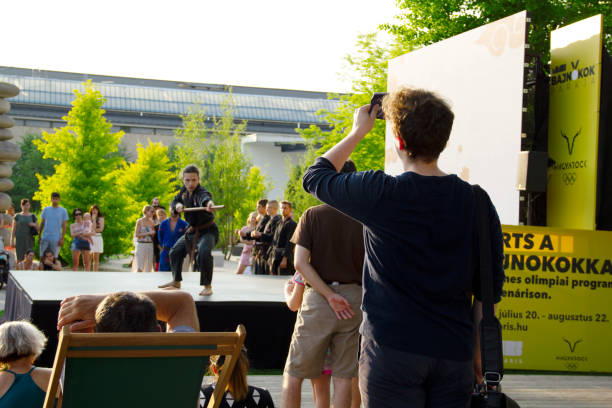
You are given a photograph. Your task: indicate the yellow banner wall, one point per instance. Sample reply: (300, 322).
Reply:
(556, 308)
(573, 124)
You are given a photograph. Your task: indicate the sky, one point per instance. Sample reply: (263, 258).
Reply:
(267, 43)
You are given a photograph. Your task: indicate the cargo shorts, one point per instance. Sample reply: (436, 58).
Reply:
(317, 329)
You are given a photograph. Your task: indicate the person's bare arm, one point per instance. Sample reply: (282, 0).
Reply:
(42, 226)
(294, 293)
(337, 302)
(61, 240)
(100, 228)
(136, 228)
(73, 234)
(362, 124)
(12, 241)
(176, 308)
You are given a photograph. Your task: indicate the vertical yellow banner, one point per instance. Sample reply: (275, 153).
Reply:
(574, 124)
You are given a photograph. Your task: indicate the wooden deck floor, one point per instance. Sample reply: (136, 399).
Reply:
(530, 391)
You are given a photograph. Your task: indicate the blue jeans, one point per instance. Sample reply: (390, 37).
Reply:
(393, 378)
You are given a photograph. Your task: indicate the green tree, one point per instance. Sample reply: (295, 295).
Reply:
(86, 152)
(26, 169)
(367, 70)
(226, 172)
(424, 22)
(300, 199)
(149, 176)
(257, 187)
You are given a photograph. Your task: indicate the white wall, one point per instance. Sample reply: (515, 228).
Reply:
(481, 74)
(273, 164)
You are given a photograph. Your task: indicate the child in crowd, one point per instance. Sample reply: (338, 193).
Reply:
(245, 257)
(294, 292)
(238, 393)
(88, 227)
(28, 263)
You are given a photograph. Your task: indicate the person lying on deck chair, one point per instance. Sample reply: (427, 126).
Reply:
(129, 312)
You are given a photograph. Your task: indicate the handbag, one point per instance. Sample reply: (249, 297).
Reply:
(489, 395)
(33, 230)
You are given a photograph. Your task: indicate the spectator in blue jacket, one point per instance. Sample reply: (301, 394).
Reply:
(170, 230)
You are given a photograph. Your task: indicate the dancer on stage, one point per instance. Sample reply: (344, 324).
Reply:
(202, 231)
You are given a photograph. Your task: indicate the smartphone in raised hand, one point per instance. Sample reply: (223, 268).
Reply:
(377, 98)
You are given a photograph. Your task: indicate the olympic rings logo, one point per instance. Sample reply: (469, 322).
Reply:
(569, 178)
(571, 366)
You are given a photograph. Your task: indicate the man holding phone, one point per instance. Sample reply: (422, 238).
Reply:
(202, 232)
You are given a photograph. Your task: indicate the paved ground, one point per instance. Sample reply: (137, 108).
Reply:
(530, 391)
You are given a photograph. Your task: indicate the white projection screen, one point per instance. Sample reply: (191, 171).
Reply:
(481, 74)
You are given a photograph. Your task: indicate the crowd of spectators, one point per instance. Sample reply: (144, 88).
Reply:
(85, 230)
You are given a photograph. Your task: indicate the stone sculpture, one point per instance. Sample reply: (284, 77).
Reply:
(9, 151)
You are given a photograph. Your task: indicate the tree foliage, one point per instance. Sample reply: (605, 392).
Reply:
(30, 164)
(86, 152)
(300, 199)
(367, 70)
(424, 22)
(149, 176)
(226, 172)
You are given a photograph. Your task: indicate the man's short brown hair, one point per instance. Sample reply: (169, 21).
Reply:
(263, 202)
(287, 203)
(191, 168)
(126, 312)
(422, 119)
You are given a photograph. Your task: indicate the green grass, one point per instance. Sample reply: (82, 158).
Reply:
(265, 371)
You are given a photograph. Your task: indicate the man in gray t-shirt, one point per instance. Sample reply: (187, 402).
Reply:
(53, 226)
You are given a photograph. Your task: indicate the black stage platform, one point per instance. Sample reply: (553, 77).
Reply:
(255, 301)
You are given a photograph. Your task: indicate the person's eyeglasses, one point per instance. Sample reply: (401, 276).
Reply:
(75, 214)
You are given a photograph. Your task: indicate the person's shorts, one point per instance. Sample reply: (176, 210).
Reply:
(47, 244)
(317, 328)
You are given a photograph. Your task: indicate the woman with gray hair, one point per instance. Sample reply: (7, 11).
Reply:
(21, 383)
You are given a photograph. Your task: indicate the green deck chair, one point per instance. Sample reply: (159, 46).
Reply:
(139, 369)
